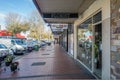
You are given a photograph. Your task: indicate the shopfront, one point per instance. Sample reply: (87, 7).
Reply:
(63, 39)
(85, 43)
(70, 39)
(90, 43)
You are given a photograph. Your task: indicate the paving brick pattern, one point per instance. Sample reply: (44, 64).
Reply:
(58, 65)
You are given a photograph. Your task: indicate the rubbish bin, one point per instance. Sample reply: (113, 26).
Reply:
(36, 48)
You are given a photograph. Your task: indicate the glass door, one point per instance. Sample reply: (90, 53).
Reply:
(98, 49)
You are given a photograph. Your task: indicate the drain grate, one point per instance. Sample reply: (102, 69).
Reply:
(49, 50)
(38, 63)
(45, 54)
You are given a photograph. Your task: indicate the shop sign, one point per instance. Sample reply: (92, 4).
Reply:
(60, 15)
(59, 27)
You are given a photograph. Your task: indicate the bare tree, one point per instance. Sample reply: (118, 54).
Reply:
(15, 23)
(37, 25)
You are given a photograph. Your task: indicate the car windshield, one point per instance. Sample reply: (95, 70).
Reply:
(2, 46)
(19, 42)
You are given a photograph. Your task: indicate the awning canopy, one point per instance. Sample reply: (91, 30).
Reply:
(20, 36)
(58, 28)
(62, 11)
(5, 33)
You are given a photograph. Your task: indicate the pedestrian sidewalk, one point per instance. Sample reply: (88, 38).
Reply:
(47, 64)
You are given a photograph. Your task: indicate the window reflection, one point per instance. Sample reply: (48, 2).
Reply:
(85, 37)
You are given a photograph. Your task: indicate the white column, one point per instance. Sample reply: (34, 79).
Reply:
(75, 42)
(106, 39)
(106, 50)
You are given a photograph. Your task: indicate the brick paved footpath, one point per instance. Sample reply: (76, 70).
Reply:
(51, 63)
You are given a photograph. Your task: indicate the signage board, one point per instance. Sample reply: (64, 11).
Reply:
(60, 15)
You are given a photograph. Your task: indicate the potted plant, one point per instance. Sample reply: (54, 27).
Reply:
(8, 60)
(14, 66)
(96, 54)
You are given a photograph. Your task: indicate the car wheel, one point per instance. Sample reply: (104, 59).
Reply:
(13, 51)
(24, 52)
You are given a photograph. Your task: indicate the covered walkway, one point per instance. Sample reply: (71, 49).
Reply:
(48, 64)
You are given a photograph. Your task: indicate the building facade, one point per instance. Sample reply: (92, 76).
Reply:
(92, 39)
(97, 39)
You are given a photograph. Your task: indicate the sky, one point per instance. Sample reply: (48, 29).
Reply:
(22, 7)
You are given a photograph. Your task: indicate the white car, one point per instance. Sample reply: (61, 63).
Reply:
(21, 43)
(3, 51)
(12, 45)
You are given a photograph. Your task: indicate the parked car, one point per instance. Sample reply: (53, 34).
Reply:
(35, 43)
(21, 43)
(3, 52)
(29, 46)
(48, 42)
(12, 45)
(42, 44)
